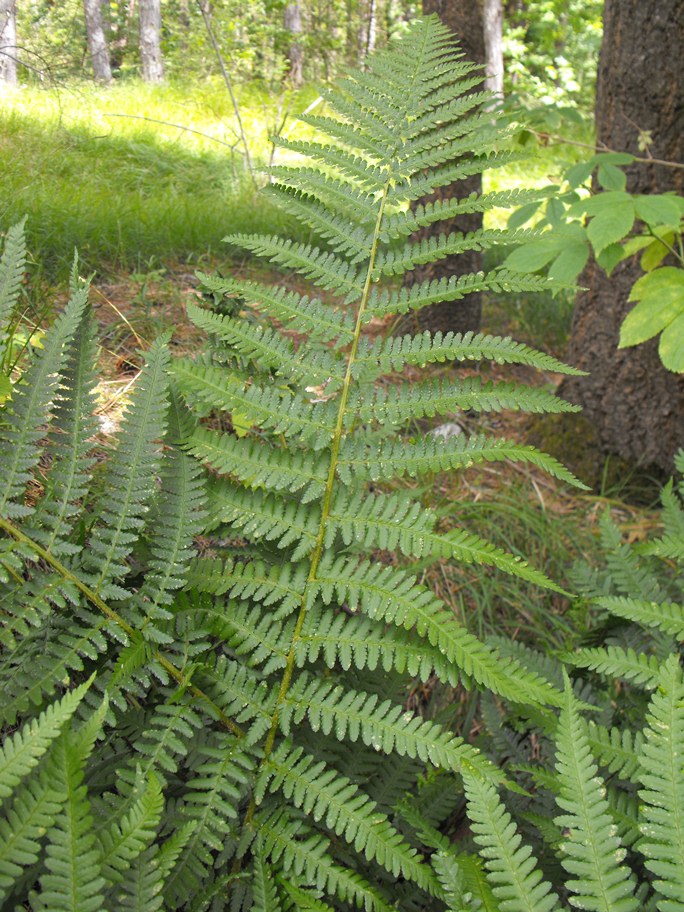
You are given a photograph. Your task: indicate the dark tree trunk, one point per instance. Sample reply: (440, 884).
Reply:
(464, 18)
(635, 404)
(97, 43)
(292, 21)
(8, 43)
(150, 41)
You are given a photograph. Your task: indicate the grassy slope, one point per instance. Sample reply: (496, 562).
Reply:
(125, 191)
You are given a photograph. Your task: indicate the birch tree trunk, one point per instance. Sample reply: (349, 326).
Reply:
(8, 43)
(150, 41)
(292, 22)
(492, 16)
(97, 43)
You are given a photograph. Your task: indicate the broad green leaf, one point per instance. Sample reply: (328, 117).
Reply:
(671, 348)
(600, 203)
(657, 210)
(610, 257)
(570, 262)
(610, 177)
(611, 224)
(661, 297)
(658, 249)
(523, 214)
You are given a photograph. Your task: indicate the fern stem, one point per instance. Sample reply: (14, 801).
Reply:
(116, 618)
(330, 481)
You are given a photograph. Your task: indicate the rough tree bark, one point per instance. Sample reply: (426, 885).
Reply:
(292, 22)
(97, 43)
(464, 18)
(8, 43)
(635, 404)
(150, 41)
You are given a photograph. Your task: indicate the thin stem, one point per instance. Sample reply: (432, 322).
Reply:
(167, 123)
(116, 618)
(226, 78)
(563, 141)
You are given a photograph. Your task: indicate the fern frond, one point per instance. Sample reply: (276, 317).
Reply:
(334, 229)
(125, 839)
(130, 481)
(434, 248)
(21, 752)
(258, 465)
(279, 584)
(394, 458)
(666, 616)
(615, 749)
(661, 760)
(388, 594)
(32, 400)
(403, 224)
(428, 348)
(325, 270)
(73, 880)
(263, 887)
(279, 410)
(512, 869)
(311, 316)
(615, 662)
(23, 827)
(439, 397)
(352, 714)
(12, 265)
(390, 521)
(306, 853)
(592, 853)
(326, 795)
(177, 517)
(71, 431)
(304, 365)
(339, 193)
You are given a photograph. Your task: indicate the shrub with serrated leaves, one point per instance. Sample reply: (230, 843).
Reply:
(231, 732)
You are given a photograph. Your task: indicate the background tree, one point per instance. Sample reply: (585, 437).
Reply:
(150, 40)
(635, 404)
(292, 22)
(97, 43)
(492, 21)
(8, 42)
(465, 19)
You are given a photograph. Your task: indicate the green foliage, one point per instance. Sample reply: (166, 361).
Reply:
(615, 225)
(601, 814)
(216, 732)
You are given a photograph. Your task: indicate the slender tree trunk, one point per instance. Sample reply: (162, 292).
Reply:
(292, 22)
(492, 14)
(464, 18)
(8, 43)
(150, 41)
(371, 27)
(97, 43)
(636, 405)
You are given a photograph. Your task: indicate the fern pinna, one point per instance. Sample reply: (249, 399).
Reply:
(600, 823)
(231, 732)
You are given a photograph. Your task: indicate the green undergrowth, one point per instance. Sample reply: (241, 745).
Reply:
(123, 189)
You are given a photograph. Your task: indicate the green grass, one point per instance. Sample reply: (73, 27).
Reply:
(126, 191)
